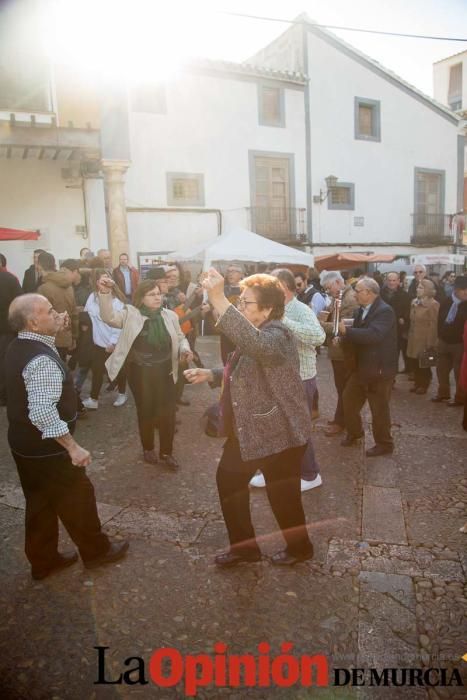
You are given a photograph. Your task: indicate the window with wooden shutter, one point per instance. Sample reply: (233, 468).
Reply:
(271, 106)
(455, 87)
(367, 119)
(272, 197)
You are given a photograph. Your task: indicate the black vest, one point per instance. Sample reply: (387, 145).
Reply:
(23, 437)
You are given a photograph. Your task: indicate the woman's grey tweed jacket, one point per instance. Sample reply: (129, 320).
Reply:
(268, 399)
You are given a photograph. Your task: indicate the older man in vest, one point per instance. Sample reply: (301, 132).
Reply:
(41, 409)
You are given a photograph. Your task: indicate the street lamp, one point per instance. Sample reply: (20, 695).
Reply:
(331, 182)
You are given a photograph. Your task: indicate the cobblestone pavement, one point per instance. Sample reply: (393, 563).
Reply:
(386, 588)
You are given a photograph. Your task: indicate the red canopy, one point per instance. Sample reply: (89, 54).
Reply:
(346, 261)
(17, 234)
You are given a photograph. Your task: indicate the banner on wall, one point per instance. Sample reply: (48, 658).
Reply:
(438, 259)
(17, 234)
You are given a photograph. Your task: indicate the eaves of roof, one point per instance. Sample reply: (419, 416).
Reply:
(246, 69)
(447, 58)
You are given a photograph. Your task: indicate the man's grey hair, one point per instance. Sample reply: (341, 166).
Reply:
(22, 309)
(420, 265)
(327, 277)
(370, 284)
(286, 277)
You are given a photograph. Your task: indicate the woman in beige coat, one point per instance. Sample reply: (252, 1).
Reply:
(152, 344)
(423, 332)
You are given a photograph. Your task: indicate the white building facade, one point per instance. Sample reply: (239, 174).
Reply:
(450, 88)
(212, 153)
(397, 154)
(163, 167)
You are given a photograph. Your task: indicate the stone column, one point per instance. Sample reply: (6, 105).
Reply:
(117, 224)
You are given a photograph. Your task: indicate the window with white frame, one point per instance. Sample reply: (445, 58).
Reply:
(455, 87)
(367, 119)
(185, 189)
(342, 196)
(271, 105)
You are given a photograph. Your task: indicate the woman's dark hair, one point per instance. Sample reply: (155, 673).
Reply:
(268, 293)
(96, 274)
(142, 289)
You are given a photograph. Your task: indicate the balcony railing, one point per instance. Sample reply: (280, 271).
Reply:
(281, 224)
(435, 229)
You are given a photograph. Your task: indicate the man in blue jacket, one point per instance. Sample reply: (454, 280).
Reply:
(374, 342)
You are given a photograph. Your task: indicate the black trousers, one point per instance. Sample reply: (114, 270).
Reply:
(341, 374)
(378, 395)
(5, 340)
(282, 474)
(99, 358)
(422, 376)
(53, 489)
(153, 410)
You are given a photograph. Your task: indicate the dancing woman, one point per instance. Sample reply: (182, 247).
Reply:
(264, 416)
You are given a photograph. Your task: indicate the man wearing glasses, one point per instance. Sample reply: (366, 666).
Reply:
(374, 340)
(420, 273)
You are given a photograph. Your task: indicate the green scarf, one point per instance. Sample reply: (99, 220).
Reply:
(157, 332)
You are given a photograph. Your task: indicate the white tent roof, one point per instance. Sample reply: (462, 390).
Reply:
(240, 244)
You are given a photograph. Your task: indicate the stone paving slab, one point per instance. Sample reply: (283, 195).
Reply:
(383, 519)
(387, 631)
(383, 471)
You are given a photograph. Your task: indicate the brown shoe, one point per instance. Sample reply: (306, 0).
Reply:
(333, 430)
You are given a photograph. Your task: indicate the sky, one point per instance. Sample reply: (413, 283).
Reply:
(144, 34)
(412, 59)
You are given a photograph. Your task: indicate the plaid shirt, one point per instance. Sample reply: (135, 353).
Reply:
(43, 379)
(308, 334)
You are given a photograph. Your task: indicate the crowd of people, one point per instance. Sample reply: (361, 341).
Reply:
(88, 317)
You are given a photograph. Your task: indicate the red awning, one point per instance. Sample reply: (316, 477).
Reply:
(346, 261)
(17, 234)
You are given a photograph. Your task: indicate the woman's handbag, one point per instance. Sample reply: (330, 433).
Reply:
(428, 358)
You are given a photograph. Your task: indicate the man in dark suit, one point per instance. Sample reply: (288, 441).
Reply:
(374, 342)
(32, 276)
(398, 299)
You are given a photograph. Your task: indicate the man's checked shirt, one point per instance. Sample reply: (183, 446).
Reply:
(308, 334)
(43, 379)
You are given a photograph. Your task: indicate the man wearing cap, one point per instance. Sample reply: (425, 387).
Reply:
(451, 318)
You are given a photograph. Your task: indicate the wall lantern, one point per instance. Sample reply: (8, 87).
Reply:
(331, 182)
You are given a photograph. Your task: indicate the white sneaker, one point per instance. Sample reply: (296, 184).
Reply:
(91, 404)
(306, 485)
(120, 400)
(258, 481)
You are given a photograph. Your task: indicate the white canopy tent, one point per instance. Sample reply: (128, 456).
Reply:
(238, 244)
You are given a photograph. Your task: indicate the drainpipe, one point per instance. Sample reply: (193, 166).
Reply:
(307, 135)
(185, 210)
